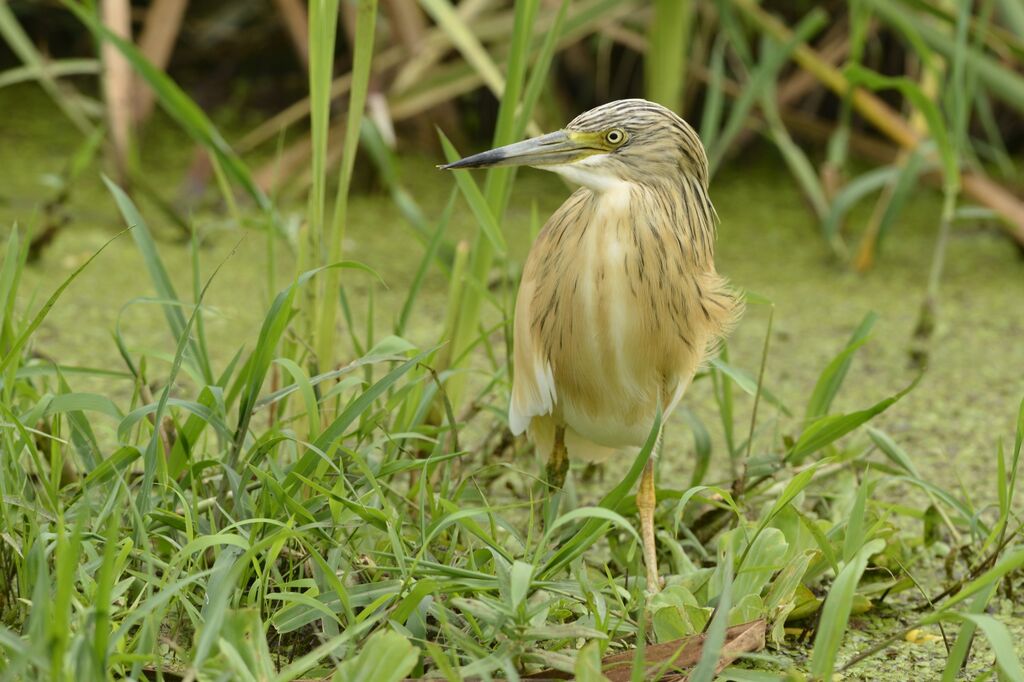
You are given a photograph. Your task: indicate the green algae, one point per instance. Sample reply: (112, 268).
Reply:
(768, 244)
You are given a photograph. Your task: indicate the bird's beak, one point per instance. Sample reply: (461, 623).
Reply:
(553, 149)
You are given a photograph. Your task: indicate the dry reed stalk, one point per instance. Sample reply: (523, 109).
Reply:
(117, 83)
(975, 184)
(156, 42)
(296, 22)
(430, 52)
(410, 26)
(865, 257)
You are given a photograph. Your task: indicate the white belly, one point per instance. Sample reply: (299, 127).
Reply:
(618, 348)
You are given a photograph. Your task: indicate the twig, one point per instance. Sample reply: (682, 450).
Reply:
(973, 573)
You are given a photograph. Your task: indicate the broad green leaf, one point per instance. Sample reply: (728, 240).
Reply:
(594, 513)
(751, 607)
(667, 49)
(856, 523)
(676, 613)
(783, 588)
(519, 582)
(893, 451)
(301, 379)
(385, 657)
(219, 591)
(760, 560)
(83, 402)
(588, 663)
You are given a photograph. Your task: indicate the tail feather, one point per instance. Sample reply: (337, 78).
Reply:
(542, 432)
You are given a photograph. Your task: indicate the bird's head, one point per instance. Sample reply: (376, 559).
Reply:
(629, 140)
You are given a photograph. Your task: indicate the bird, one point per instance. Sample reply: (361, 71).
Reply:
(619, 304)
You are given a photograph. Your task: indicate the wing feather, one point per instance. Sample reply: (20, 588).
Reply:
(533, 384)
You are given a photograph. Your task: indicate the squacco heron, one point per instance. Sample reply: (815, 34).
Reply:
(619, 302)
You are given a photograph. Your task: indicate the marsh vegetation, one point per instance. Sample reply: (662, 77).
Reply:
(254, 374)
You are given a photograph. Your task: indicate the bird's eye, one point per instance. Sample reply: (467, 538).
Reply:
(614, 136)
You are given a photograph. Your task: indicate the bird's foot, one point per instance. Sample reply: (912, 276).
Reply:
(557, 470)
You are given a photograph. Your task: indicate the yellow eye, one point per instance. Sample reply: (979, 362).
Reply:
(615, 136)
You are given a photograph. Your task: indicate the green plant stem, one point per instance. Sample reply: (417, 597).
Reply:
(325, 340)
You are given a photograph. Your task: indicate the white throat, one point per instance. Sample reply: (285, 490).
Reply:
(592, 174)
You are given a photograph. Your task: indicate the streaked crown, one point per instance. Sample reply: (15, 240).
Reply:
(647, 143)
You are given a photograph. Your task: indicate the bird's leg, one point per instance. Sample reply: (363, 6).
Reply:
(558, 466)
(558, 462)
(645, 503)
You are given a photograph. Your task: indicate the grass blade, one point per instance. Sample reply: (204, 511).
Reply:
(714, 641)
(13, 353)
(836, 611)
(161, 280)
(825, 430)
(324, 341)
(831, 379)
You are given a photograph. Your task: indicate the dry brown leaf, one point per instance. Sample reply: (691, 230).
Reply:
(675, 656)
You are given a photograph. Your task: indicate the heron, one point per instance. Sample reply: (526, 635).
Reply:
(619, 303)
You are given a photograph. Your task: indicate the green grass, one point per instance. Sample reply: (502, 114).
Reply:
(278, 515)
(225, 542)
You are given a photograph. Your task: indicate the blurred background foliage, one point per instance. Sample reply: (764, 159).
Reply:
(920, 91)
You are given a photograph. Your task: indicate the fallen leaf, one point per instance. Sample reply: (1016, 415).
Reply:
(917, 636)
(668, 661)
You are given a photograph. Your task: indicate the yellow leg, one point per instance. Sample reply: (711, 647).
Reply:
(558, 462)
(645, 502)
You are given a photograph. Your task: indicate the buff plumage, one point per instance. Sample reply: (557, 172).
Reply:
(620, 302)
